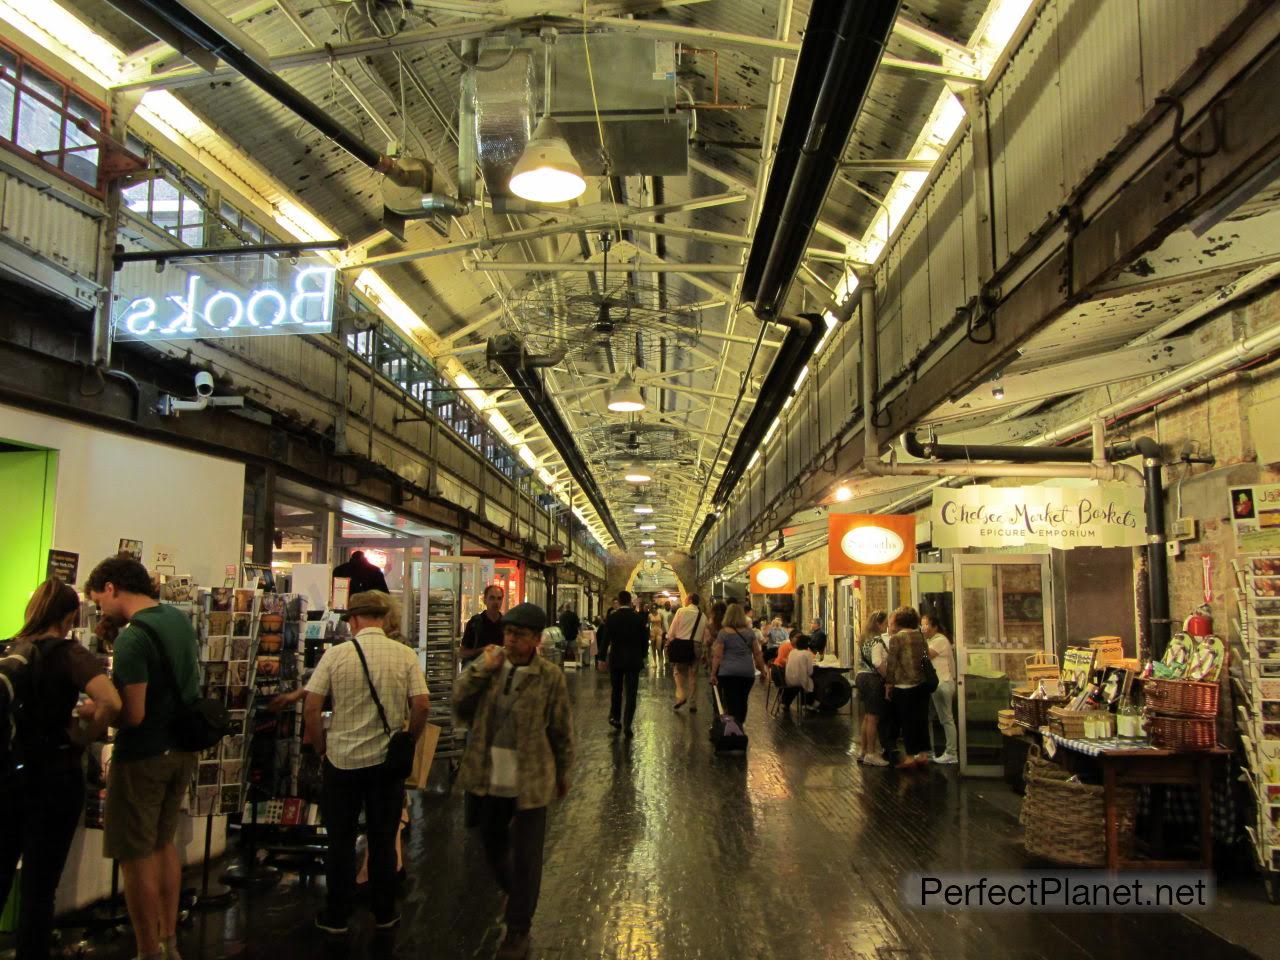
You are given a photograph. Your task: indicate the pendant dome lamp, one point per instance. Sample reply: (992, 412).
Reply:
(625, 397)
(635, 473)
(546, 171)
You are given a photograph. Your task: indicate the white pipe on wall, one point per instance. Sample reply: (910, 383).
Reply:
(878, 468)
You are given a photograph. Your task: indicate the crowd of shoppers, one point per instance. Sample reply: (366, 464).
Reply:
(893, 689)
(515, 703)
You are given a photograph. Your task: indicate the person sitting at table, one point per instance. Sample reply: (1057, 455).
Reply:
(799, 672)
(784, 650)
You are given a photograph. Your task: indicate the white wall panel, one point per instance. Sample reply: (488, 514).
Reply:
(1100, 82)
(49, 227)
(1030, 141)
(1172, 31)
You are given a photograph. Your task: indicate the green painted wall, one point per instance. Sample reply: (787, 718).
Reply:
(28, 486)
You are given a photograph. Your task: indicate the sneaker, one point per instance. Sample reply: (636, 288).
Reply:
(515, 946)
(946, 758)
(331, 927)
(875, 760)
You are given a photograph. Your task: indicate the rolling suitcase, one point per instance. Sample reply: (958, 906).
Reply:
(727, 735)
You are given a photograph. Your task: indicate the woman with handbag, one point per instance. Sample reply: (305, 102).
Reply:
(735, 658)
(682, 649)
(909, 682)
(42, 778)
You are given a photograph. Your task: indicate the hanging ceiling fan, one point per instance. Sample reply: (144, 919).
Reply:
(609, 324)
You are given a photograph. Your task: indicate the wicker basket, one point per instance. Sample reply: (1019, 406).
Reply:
(1070, 723)
(1034, 713)
(1183, 733)
(1181, 698)
(1065, 821)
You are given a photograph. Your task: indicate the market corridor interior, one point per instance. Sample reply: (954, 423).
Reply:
(664, 850)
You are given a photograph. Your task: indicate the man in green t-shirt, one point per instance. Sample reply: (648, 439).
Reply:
(149, 774)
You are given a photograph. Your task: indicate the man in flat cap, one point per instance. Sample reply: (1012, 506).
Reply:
(516, 761)
(371, 670)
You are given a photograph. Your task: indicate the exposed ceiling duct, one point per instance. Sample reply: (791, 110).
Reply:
(522, 370)
(212, 32)
(627, 93)
(842, 47)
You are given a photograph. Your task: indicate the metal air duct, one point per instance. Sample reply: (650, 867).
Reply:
(521, 369)
(842, 46)
(230, 45)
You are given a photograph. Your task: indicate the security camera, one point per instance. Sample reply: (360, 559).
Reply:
(204, 384)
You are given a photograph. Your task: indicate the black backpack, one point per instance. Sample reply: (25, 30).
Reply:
(21, 736)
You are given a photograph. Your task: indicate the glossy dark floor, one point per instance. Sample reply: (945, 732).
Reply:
(664, 851)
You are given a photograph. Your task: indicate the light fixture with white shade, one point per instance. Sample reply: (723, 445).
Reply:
(651, 553)
(625, 397)
(636, 474)
(547, 171)
(642, 508)
(647, 543)
(647, 526)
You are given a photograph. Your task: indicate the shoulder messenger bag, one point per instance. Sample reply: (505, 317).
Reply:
(197, 725)
(684, 649)
(400, 745)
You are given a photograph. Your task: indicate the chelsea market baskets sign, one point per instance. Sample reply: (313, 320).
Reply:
(248, 296)
(1109, 515)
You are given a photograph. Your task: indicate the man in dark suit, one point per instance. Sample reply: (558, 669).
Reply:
(628, 633)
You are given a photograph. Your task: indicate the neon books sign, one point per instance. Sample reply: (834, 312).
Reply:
(206, 303)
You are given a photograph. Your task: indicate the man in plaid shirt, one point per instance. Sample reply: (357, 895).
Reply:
(354, 748)
(517, 760)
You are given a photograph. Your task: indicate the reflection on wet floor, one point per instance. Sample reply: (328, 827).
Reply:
(663, 850)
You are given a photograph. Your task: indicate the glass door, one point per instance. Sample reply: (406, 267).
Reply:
(848, 620)
(933, 593)
(1004, 615)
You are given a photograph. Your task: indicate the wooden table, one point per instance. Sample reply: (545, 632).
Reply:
(1130, 766)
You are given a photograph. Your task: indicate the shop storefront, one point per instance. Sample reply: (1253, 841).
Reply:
(88, 494)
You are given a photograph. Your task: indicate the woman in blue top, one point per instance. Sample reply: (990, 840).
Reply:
(735, 658)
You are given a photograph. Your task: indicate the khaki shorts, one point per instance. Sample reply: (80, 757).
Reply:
(144, 798)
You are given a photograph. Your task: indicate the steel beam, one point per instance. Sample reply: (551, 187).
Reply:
(889, 166)
(934, 42)
(330, 53)
(822, 227)
(552, 266)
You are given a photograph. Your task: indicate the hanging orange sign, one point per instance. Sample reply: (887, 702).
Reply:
(773, 576)
(881, 545)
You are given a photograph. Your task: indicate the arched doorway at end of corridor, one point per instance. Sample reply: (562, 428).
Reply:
(656, 581)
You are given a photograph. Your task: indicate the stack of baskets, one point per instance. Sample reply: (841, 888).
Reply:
(1031, 712)
(1007, 724)
(1183, 713)
(1071, 723)
(1064, 821)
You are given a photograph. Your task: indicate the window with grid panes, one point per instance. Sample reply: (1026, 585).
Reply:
(47, 121)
